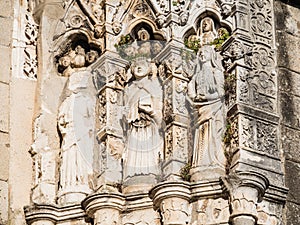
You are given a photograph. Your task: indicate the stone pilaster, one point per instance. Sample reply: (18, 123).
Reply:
(174, 110)
(172, 199)
(109, 77)
(252, 131)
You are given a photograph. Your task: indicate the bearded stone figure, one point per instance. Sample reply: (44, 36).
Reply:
(143, 117)
(206, 95)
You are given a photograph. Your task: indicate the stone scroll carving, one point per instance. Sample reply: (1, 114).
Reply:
(206, 95)
(142, 122)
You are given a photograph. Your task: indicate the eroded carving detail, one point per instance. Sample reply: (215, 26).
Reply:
(30, 50)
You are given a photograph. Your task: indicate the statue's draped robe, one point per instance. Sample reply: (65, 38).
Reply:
(144, 142)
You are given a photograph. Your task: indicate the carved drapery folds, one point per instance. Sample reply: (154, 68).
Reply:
(159, 102)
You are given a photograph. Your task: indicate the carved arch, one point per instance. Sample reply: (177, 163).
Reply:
(149, 26)
(195, 18)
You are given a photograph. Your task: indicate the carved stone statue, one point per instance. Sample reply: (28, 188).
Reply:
(207, 32)
(76, 123)
(206, 94)
(143, 116)
(75, 59)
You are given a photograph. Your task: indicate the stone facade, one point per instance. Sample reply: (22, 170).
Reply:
(149, 112)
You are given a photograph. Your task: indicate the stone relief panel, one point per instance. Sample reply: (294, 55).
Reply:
(259, 135)
(210, 211)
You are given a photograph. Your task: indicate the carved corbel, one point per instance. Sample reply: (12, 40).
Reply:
(246, 190)
(172, 199)
(105, 209)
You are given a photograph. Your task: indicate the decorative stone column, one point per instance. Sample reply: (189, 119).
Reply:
(246, 189)
(105, 209)
(252, 151)
(172, 199)
(175, 112)
(109, 74)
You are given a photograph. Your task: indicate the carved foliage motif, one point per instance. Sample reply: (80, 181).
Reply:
(212, 211)
(30, 50)
(174, 210)
(264, 80)
(261, 20)
(102, 108)
(168, 104)
(259, 135)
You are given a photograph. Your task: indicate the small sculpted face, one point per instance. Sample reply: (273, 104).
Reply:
(65, 61)
(207, 25)
(91, 56)
(204, 55)
(140, 69)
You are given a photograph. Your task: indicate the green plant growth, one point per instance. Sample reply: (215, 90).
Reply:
(125, 40)
(185, 172)
(229, 85)
(223, 35)
(193, 44)
(228, 134)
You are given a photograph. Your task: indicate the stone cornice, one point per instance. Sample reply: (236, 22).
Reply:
(106, 200)
(53, 213)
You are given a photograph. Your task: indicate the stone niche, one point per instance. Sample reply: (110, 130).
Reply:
(149, 124)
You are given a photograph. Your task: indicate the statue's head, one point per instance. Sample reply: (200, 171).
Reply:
(205, 53)
(143, 35)
(65, 61)
(207, 24)
(91, 56)
(79, 49)
(140, 68)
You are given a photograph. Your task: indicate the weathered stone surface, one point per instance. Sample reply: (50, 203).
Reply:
(290, 144)
(4, 109)
(6, 31)
(288, 51)
(20, 170)
(287, 17)
(4, 152)
(289, 109)
(3, 202)
(5, 64)
(292, 213)
(288, 81)
(6, 8)
(292, 178)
